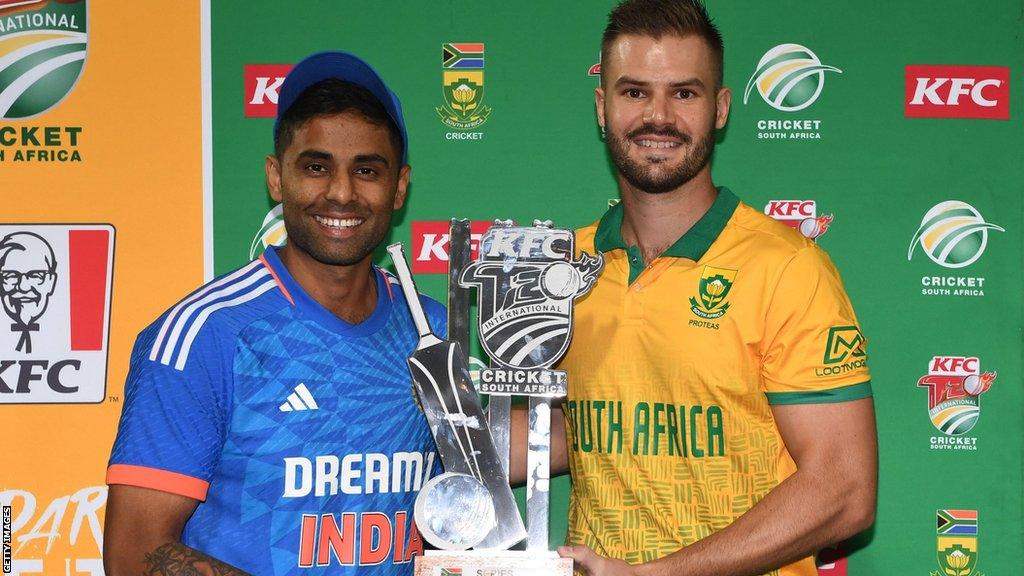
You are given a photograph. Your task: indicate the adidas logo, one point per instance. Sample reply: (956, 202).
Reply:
(299, 400)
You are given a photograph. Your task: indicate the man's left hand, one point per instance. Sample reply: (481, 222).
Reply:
(586, 561)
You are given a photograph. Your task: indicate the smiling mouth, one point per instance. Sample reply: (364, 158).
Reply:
(656, 144)
(339, 223)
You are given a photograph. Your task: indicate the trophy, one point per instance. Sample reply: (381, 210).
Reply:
(527, 279)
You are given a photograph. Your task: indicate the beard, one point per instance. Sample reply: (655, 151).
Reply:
(655, 176)
(336, 252)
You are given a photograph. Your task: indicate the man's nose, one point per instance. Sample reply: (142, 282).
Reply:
(658, 111)
(341, 189)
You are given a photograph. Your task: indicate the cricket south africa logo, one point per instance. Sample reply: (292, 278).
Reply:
(957, 543)
(42, 51)
(462, 85)
(955, 385)
(712, 292)
(271, 233)
(789, 78)
(953, 234)
(527, 281)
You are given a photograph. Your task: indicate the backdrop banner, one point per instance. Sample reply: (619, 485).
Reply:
(891, 137)
(102, 229)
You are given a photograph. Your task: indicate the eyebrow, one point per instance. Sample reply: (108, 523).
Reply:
(315, 154)
(371, 158)
(627, 81)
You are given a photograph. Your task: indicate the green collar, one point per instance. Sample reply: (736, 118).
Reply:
(693, 245)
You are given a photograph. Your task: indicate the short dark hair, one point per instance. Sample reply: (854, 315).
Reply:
(329, 97)
(657, 18)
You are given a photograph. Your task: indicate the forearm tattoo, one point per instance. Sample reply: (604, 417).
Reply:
(176, 559)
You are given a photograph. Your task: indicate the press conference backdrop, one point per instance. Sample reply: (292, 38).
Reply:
(891, 136)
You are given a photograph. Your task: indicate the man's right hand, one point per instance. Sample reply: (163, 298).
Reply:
(142, 532)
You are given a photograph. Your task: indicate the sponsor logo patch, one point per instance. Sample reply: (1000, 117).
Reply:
(55, 289)
(843, 342)
(981, 92)
(844, 351)
(801, 215)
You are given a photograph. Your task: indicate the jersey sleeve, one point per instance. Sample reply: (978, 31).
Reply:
(814, 350)
(174, 421)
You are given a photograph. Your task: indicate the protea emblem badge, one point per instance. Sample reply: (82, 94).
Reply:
(527, 280)
(957, 548)
(713, 291)
(463, 85)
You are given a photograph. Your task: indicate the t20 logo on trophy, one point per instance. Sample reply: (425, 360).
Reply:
(527, 281)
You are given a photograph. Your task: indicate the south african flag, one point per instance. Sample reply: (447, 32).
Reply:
(462, 55)
(956, 522)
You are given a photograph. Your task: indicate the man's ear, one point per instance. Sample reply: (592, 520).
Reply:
(403, 186)
(724, 100)
(272, 167)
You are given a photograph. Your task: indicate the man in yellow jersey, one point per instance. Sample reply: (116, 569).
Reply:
(719, 418)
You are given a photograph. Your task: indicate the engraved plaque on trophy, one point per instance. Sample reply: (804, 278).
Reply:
(527, 279)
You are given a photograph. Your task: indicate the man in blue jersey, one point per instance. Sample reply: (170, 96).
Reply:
(268, 426)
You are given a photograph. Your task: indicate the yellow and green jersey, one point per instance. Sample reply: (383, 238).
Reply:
(673, 369)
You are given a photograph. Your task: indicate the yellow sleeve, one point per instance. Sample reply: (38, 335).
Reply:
(813, 349)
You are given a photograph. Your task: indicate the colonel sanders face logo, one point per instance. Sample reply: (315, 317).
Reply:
(28, 271)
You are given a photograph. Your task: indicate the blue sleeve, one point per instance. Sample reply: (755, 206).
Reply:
(174, 421)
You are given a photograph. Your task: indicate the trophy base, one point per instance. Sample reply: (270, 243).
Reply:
(492, 563)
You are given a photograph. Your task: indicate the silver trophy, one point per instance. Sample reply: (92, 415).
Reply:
(527, 279)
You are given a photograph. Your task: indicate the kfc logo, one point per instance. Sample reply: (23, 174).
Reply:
(55, 283)
(28, 270)
(957, 92)
(262, 82)
(801, 215)
(430, 244)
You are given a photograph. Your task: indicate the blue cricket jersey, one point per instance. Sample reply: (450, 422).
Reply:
(296, 430)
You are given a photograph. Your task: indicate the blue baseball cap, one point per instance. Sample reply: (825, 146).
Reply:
(343, 66)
